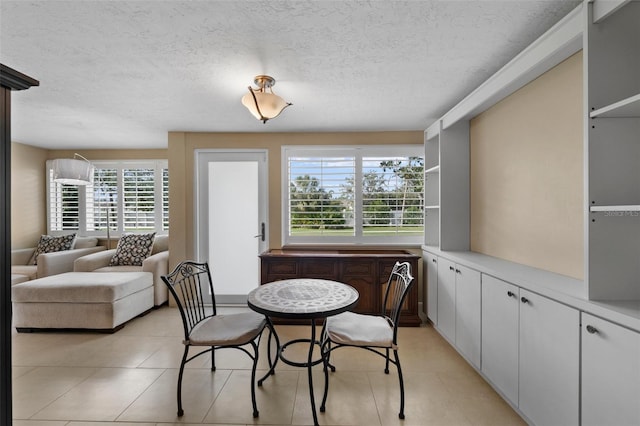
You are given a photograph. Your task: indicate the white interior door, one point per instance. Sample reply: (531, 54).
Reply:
(231, 205)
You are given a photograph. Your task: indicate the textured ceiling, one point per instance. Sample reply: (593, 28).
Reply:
(121, 74)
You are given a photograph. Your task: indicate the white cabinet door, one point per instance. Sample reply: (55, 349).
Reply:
(447, 299)
(549, 361)
(500, 320)
(431, 266)
(610, 373)
(468, 293)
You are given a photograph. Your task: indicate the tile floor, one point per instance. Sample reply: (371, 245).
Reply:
(129, 378)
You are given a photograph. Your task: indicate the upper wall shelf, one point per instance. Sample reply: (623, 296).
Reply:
(629, 107)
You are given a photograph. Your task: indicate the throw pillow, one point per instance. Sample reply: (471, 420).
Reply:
(50, 244)
(132, 249)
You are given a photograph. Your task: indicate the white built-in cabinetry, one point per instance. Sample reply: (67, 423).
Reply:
(549, 351)
(500, 334)
(447, 186)
(610, 373)
(612, 157)
(468, 313)
(430, 265)
(447, 299)
(560, 350)
(459, 307)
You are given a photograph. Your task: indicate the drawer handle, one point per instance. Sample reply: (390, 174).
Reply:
(524, 300)
(511, 294)
(592, 330)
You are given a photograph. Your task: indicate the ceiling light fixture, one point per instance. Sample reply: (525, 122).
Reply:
(71, 171)
(262, 104)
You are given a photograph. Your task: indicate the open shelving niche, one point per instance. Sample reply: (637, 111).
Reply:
(432, 186)
(612, 154)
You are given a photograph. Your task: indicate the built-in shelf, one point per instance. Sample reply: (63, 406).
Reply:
(629, 107)
(621, 208)
(432, 207)
(434, 169)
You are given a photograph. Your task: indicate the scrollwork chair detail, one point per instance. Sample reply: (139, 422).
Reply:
(203, 326)
(375, 333)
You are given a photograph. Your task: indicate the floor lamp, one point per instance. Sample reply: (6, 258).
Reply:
(74, 171)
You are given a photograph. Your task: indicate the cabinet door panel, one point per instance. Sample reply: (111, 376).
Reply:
(468, 313)
(610, 373)
(360, 274)
(431, 266)
(447, 299)
(549, 361)
(500, 311)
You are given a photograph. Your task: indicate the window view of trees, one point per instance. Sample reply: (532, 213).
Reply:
(325, 198)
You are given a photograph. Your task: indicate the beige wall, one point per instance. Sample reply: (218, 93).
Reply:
(527, 174)
(28, 190)
(181, 169)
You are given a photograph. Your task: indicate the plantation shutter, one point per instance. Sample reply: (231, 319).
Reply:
(359, 194)
(165, 199)
(139, 199)
(320, 195)
(64, 206)
(104, 200)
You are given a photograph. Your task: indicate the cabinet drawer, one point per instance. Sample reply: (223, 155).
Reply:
(358, 268)
(284, 267)
(319, 269)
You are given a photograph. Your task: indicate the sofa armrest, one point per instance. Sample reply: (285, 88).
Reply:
(62, 261)
(158, 265)
(91, 262)
(22, 256)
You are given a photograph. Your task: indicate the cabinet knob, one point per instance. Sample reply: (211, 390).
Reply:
(524, 300)
(433, 260)
(592, 330)
(511, 294)
(458, 271)
(451, 268)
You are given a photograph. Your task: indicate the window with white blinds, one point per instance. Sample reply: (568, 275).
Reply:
(359, 194)
(126, 196)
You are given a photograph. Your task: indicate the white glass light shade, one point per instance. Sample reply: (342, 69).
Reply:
(270, 105)
(72, 172)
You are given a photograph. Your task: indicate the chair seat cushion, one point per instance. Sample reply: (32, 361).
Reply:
(227, 330)
(350, 328)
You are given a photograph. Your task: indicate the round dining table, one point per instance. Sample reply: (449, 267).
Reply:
(302, 299)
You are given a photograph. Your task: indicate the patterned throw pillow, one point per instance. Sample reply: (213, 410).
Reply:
(132, 249)
(49, 244)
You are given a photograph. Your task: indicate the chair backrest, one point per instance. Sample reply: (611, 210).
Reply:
(188, 283)
(400, 281)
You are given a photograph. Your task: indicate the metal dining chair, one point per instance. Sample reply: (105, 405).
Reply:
(203, 326)
(375, 333)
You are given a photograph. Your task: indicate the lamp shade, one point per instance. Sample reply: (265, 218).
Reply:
(72, 172)
(262, 103)
(269, 104)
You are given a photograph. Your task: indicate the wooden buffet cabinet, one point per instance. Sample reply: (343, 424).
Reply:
(365, 270)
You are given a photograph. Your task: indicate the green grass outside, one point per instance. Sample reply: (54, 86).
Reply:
(371, 231)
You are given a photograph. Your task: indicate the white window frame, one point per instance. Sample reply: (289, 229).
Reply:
(117, 218)
(359, 152)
